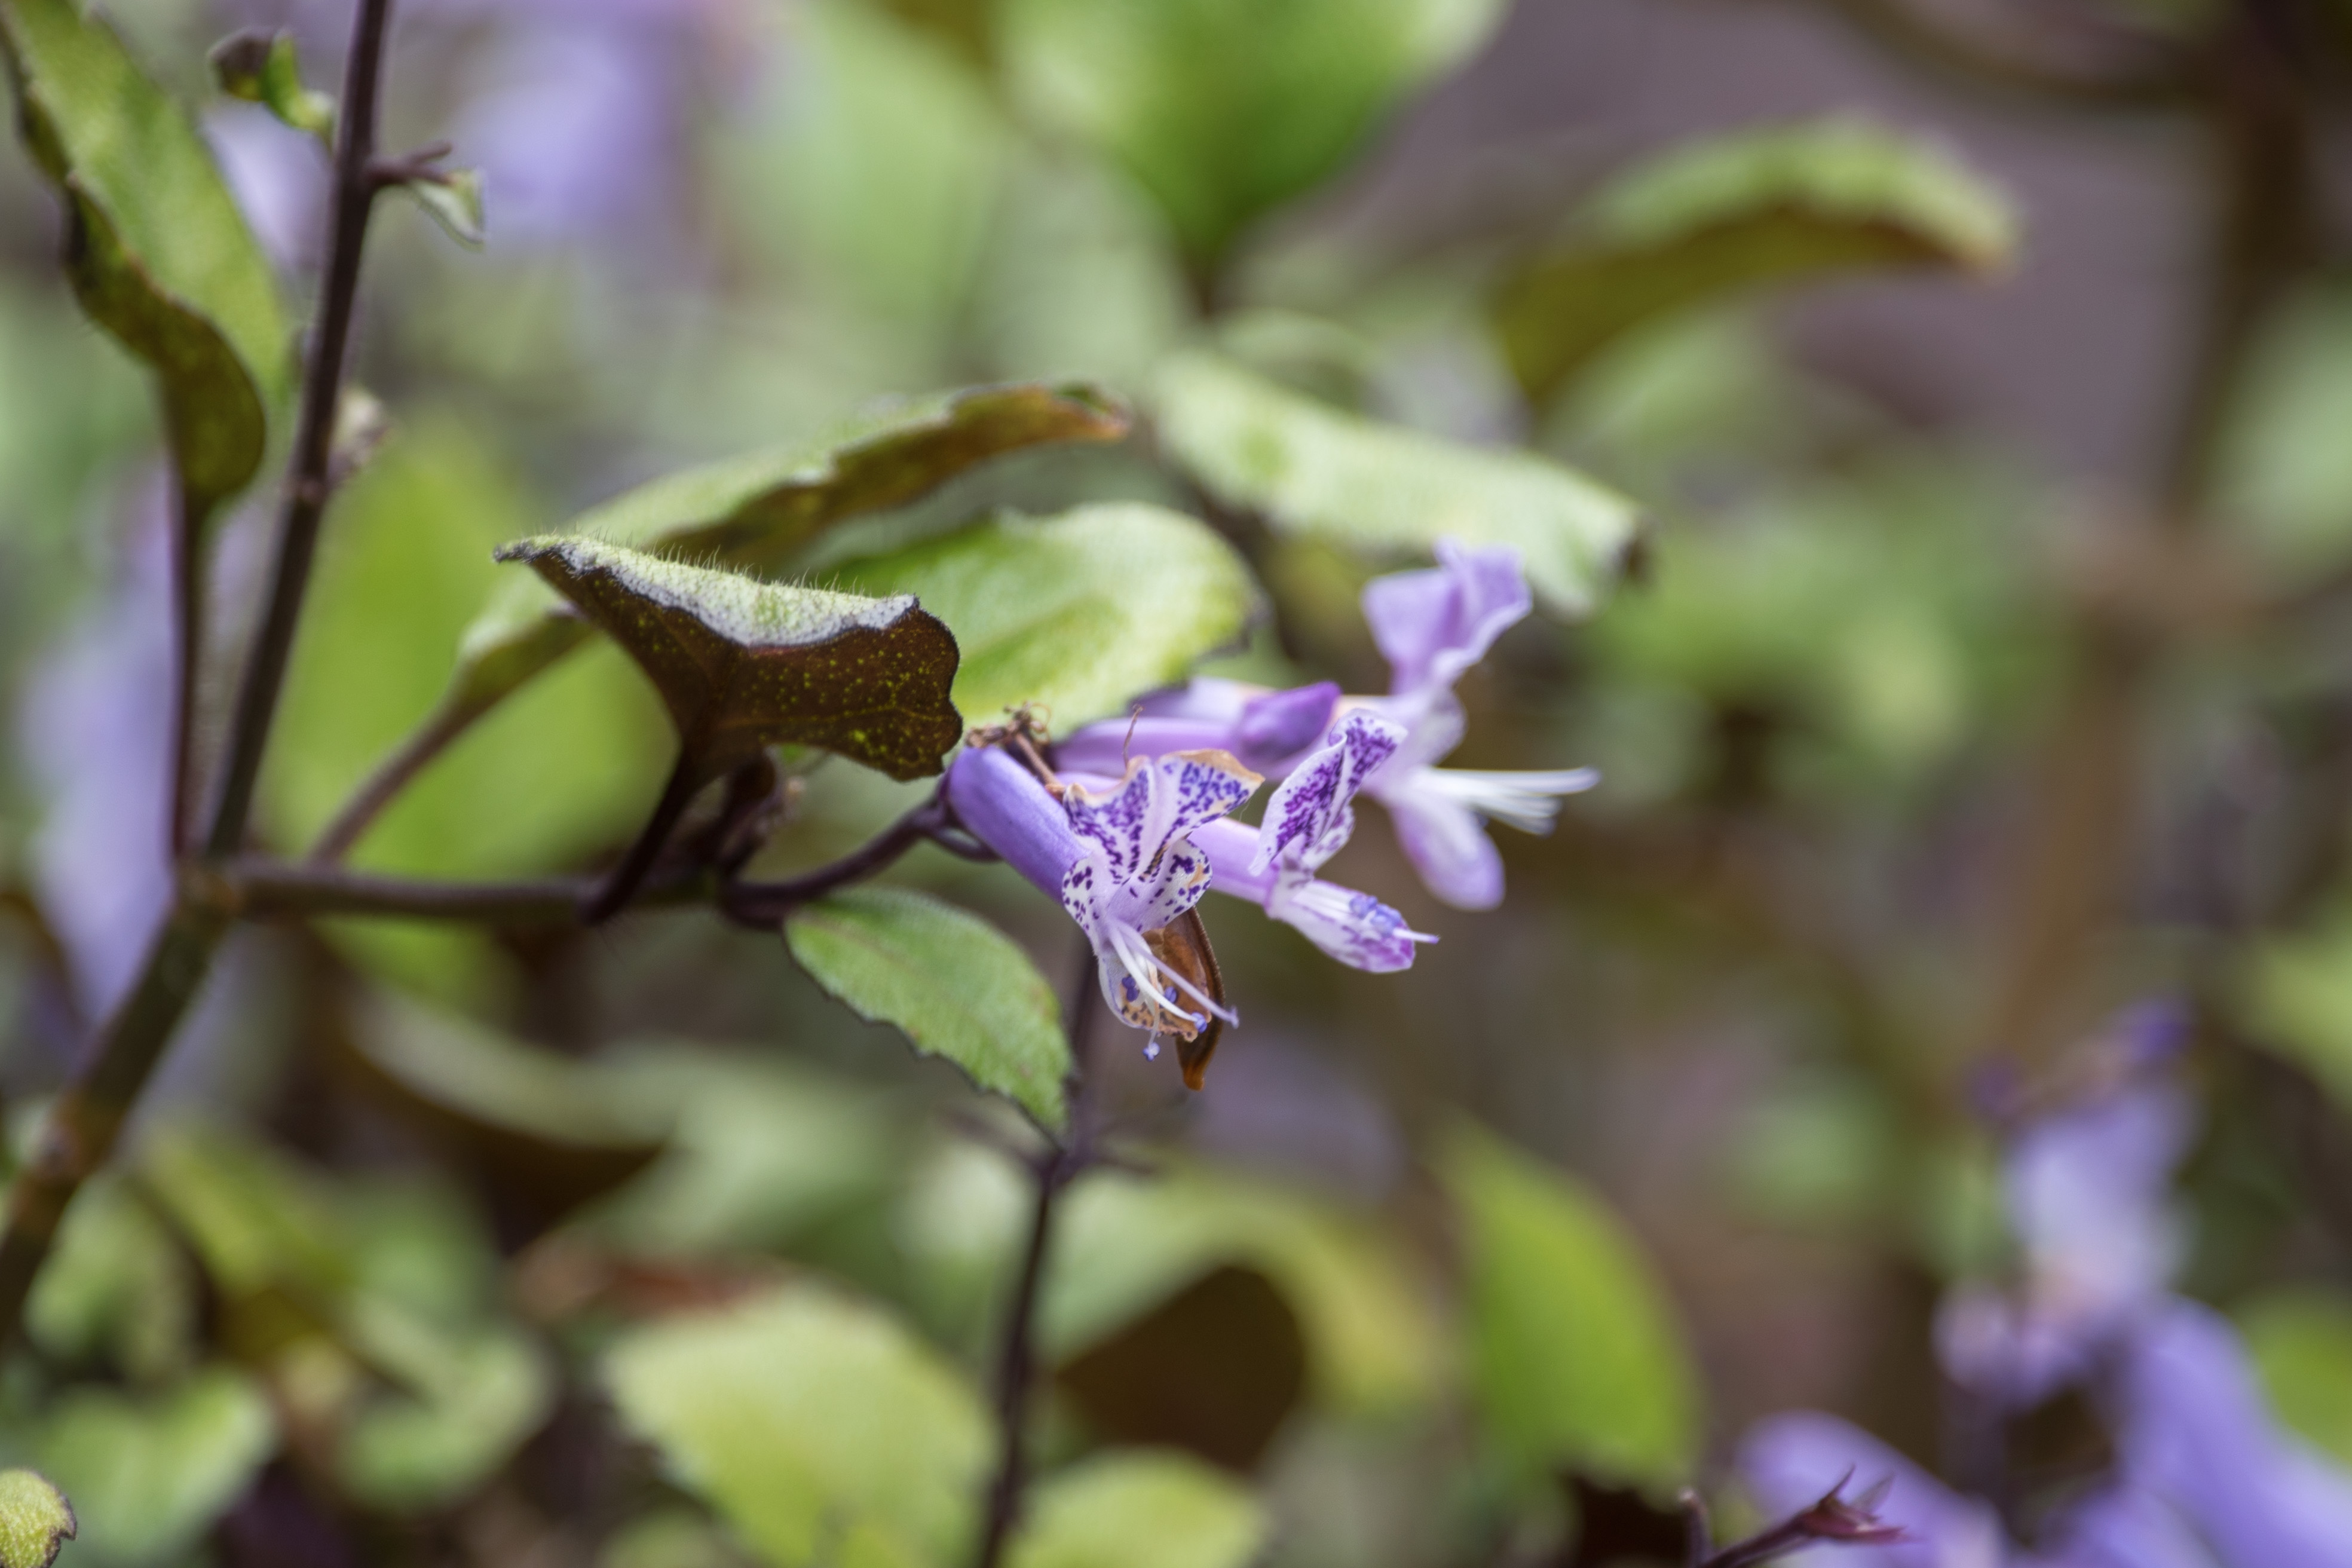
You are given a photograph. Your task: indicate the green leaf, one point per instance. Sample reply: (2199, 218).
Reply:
(452, 198)
(744, 665)
(820, 1428)
(117, 1288)
(1741, 211)
(1224, 109)
(260, 68)
(954, 984)
(1576, 1359)
(2297, 992)
(1127, 1244)
(2302, 1344)
(470, 1397)
(760, 510)
(1312, 468)
(36, 1519)
(1081, 612)
(1140, 1510)
(156, 249)
(152, 1474)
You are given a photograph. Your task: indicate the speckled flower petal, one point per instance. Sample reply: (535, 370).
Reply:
(1355, 928)
(1155, 803)
(1309, 816)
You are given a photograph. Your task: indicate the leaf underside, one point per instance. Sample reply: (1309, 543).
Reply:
(744, 665)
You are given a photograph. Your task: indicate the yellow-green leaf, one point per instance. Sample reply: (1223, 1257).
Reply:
(1081, 612)
(1577, 1359)
(1140, 1509)
(1311, 468)
(36, 1519)
(155, 247)
(954, 984)
(1739, 211)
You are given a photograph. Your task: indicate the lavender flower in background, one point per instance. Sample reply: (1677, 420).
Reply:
(2204, 1476)
(1433, 626)
(96, 729)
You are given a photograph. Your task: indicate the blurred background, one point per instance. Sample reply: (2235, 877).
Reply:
(1974, 715)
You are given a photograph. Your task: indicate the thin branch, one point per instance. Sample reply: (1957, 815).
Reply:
(614, 892)
(308, 475)
(78, 1134)
(1016, 1361)
(398, 770)
(766, 903)
(188, 642)
(272, 891)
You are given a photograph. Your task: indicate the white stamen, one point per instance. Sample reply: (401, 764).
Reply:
(1526, 801)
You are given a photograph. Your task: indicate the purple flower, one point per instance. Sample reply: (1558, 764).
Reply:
(1122, 863)
(2085, 1194)
(1790, 1460)
(2193, 1429)
(1306, 822)
(1432, 626)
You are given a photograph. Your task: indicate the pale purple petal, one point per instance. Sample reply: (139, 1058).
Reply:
(2123, 1526)
(1263, 729)
(2008, 1349)
(2087, 1200)
(1310, 815)
(1355, 928)
(2193, 1427)
(1106, 749)
(1433, 624)
(1789, 1461)
(1003, 804)
(1277, 727)
(1448, 845)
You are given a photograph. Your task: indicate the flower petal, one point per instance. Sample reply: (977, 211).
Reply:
(1790, 1460)
(1155, 803)
(1355, 928)
(1309, 816)
(1448, 845)
(1277, 727)
(1432, 626)
(1002, 803)
(2195, 1429)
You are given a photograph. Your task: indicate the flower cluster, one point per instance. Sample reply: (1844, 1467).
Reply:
(1432, 627)
(2203, 1475)
(1131, 823)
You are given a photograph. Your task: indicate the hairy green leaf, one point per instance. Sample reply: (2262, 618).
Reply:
(151, 1474)
(1741, 211)
(470, 1396)
(820, 1428)
(760, 510)
(1224, 109)
(36, 1519)
(155, 248)
(744, 665)
(1080, 612)
(262, 67)
(1140, 1509)
(1575, 1358)
(1312, 468)
(954, 984)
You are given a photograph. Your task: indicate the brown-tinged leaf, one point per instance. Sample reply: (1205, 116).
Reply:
(1183, 944)
(744, 665)
(760, 510)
